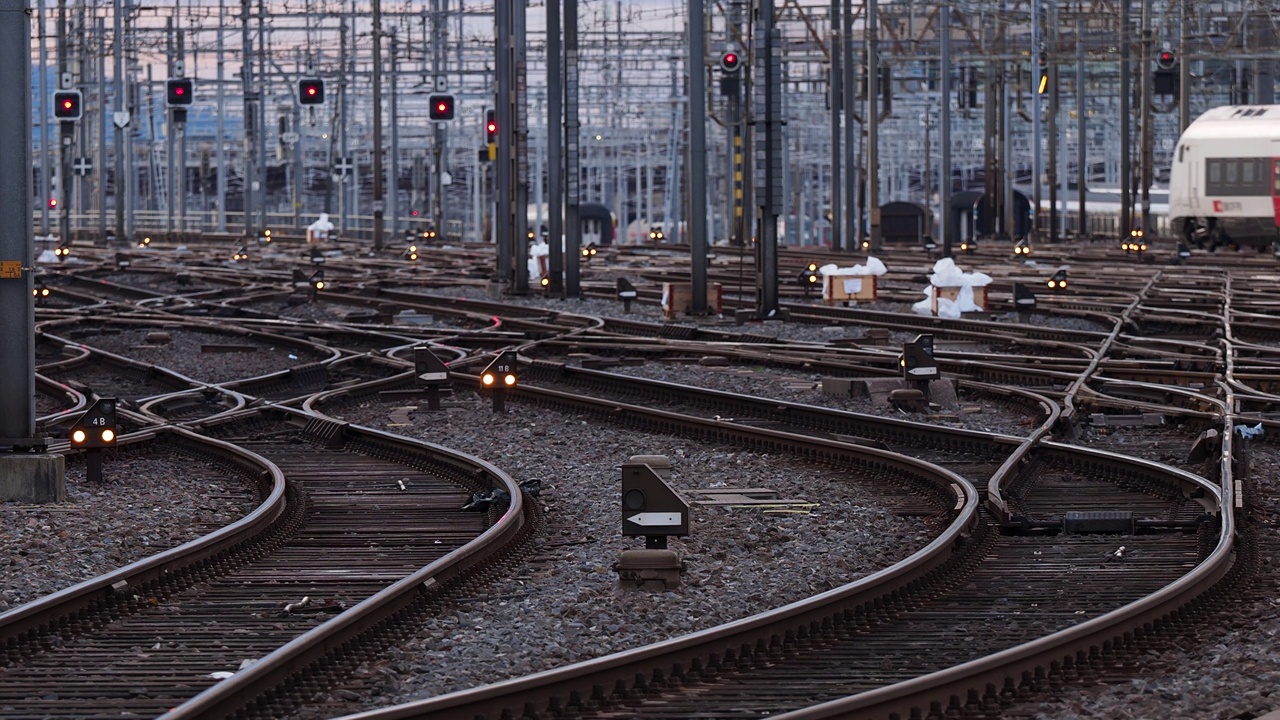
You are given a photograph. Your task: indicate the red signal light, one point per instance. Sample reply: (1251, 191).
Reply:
(730, 61)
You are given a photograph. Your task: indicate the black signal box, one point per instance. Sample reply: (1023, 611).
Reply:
(650, 507)
(428, 369)
(917, 359)
(96, 428)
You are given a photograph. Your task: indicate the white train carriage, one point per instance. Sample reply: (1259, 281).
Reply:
(1224, 182)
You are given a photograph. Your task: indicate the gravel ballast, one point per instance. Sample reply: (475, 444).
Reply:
(566, 605)
(147, 504)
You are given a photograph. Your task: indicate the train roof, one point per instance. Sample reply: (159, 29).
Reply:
(1236, 121)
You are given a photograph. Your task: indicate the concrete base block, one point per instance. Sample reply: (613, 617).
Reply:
(649, 569)
(33, 478)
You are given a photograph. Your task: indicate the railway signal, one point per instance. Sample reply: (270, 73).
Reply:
(1022, 248)
(441, 107)
(969, 246)
(311, 91)
(917, 361)
(1164, 79)
(1059, 280)
(809, 277)
(93, 431)
(67, 105)
(626, 293)
(730, 61)
(63, 251)
(429, 372)
(589, 250)
(499, 376)
(652, 509)
(1135, 243)
(41, 292)
(1023, 299)
(179, 91)
(411, 253)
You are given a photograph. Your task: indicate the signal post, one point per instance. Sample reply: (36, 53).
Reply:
(27, 473)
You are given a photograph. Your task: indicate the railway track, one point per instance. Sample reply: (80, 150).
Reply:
(345, 514)
(871, 648)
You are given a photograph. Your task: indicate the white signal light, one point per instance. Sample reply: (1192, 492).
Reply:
(108, 435)
(78, 436)
(509, 380)
(488, 379)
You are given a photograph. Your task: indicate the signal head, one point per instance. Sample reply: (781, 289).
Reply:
(730, 61)
(179, 91)
(1165, 60)
(441, 107)
(96, 428)
(311, 91)
(491, 126)
(67, 105)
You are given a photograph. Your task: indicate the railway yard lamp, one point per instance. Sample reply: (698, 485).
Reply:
(589, 250)
(145, 241)
(41, 292)
(969, 246)
(95, 430)
(656, 234)
(411, 253)
(498, 377)
(1059, 280)
(241, 254)
(1022, 248)
(63, 250)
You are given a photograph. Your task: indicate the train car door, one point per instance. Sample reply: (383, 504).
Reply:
(1275, 190)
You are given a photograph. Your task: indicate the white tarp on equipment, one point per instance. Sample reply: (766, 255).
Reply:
(947, 274)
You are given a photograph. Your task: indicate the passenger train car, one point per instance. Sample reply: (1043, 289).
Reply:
(1224, 180)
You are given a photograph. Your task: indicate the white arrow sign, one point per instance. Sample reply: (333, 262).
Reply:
(655, 519)
(121, 119)
(431, 376)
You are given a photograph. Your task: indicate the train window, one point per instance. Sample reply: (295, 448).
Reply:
(1232, 173)
(1182, 151)
(1247, 173)
(1213, 168)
